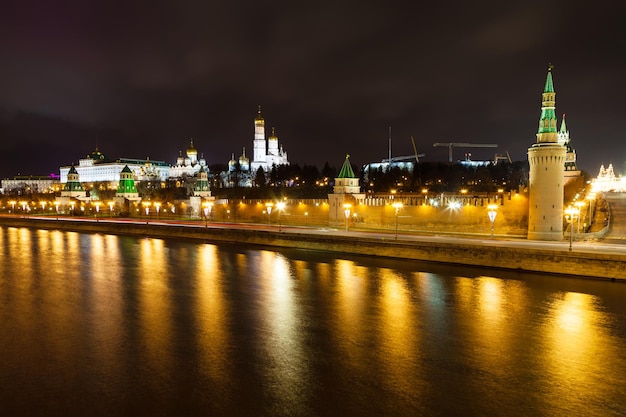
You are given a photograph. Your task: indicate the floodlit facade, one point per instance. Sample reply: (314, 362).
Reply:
(97, 168)
(546, 176)
(266, 152)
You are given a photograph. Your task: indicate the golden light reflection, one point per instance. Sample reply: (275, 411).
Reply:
(105, 297)
(399, 331)
(213, 337)
(154, 304)
(283, 320)
(577, 342)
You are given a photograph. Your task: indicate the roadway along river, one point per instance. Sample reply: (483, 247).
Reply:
(104, 325)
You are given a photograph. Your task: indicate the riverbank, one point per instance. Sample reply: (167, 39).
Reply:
(522, 256)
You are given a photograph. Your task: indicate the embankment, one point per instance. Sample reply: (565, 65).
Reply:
(461, 252)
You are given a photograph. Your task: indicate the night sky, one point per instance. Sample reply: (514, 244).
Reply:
(139, 79)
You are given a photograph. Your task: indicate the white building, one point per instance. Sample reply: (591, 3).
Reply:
(188, 165)
(266, 152)
(608, 181)
(97, 168)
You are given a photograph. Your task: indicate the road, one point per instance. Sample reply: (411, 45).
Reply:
(609, 246)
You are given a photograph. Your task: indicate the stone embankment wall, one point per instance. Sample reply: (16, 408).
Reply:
(592, 265)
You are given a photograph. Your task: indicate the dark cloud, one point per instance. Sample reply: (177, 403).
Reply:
(141, 78)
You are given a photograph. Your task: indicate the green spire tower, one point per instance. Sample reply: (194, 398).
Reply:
(545, 178)
(547, 132)
(126, 187)
(73, 187)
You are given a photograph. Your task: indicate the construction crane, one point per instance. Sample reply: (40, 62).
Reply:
(415, 156)
(498, 157)
(451, 145)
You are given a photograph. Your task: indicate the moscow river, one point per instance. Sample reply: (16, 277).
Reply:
(103, 325)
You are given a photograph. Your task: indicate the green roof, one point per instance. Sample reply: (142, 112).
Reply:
(346, 169)
(549, 88)
(563, 128)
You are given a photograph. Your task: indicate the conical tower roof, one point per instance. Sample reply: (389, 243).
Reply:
(549, 88)
(346, 169)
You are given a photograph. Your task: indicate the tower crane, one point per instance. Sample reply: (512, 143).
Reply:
(415, 156)
(498, 157)
(451, 145)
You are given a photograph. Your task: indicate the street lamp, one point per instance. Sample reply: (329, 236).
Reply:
(579, 205)
(280, 206)
(12, 203)
(157, 206)
(97, 204)
(492, 215)
(207, 210)
(570, 213)
(111, 204)
(346, 211)
(397, 206)
(146, 205)
(43, 206)
(268, 207)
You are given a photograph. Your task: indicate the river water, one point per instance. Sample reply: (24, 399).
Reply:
(102, 325)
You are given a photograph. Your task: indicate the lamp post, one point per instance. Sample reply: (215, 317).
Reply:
(12, 203)
(97, 204)
(268, 207)
(56, 208)
(111, 208)
(207, 211)
(157, 206)
(43, 207)
(346, 211)
(146, 205)
(579, 205)
(280, 206)
(570, 213)
(492, 216)
(397, 206)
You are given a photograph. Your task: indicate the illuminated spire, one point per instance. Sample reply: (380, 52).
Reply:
(563, 128)
(346, 169)
(259, 116)
(547, 123)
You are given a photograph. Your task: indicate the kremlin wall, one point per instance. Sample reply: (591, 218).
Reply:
(536, 211)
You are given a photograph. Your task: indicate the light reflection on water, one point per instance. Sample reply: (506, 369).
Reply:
(107, 325)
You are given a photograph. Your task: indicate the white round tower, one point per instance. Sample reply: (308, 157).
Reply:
(547, 161)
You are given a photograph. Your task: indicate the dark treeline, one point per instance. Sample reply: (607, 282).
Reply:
(308, 181)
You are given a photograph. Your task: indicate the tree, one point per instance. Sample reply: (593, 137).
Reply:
(259, 179)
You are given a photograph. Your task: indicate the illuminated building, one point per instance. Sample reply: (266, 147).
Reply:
(31, 184)
(189, 165)
(571, 171)
(346, 192)
(126, 187)
(98, 168)
(202, 188)
(266, 152)
(608, 181)
(546, 176)
(73, 188)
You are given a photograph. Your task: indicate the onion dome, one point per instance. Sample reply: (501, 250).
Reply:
(258, 116)
(273, 135)
(96, 155)
(191, 150)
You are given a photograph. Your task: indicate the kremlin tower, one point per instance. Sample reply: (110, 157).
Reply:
(547, 164)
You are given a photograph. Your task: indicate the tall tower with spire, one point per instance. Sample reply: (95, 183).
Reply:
(260, 144)
(547, 160)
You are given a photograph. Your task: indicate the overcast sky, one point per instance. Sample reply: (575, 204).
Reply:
(140, 78)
